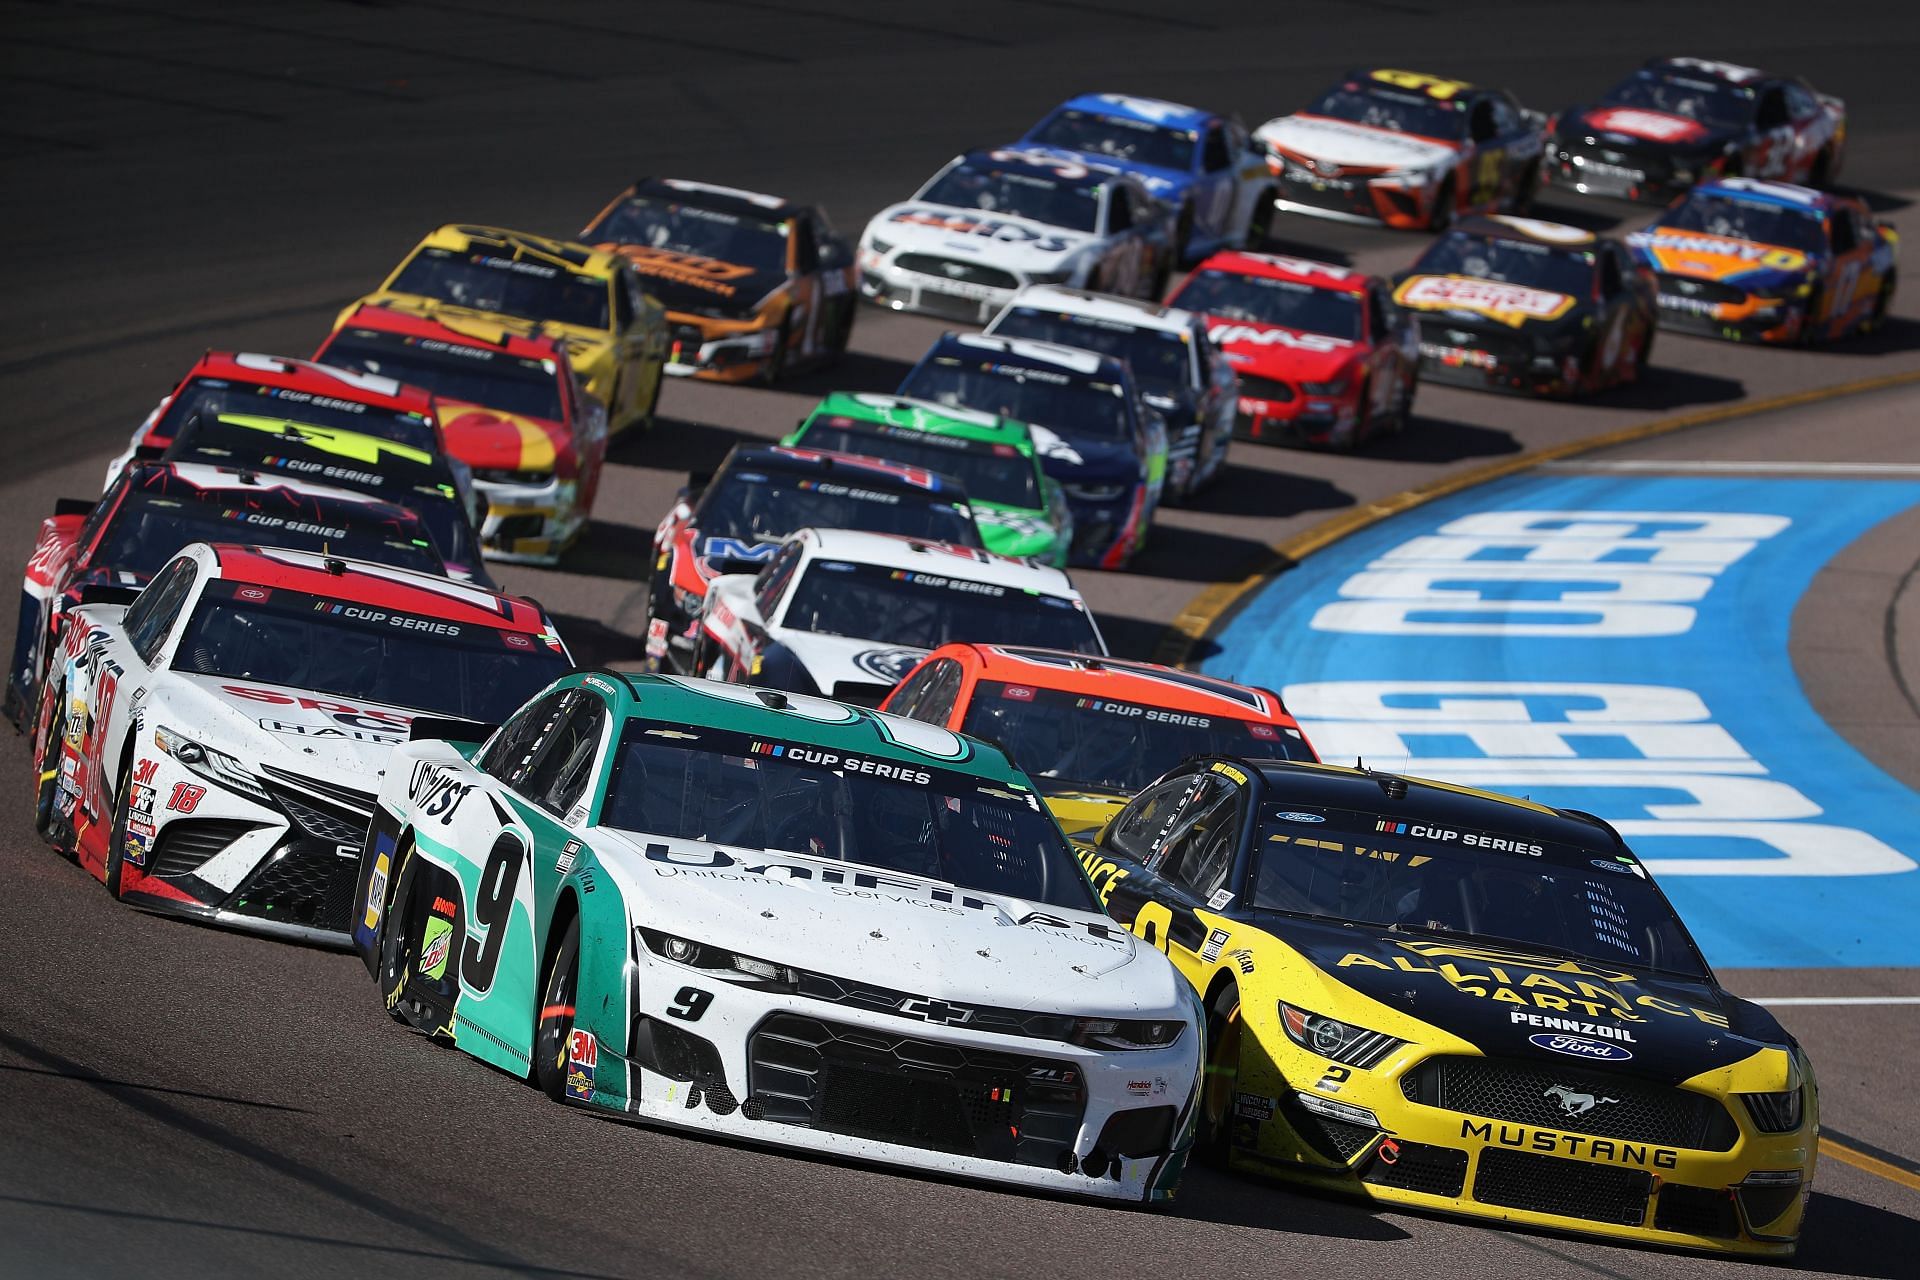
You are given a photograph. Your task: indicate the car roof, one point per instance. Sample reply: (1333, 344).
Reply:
(1424, 799)
(1785, 195)
(707, 195)
(945, 559)
(1035, 354)
(1120, 678)
(1134, 312)
(1381, 78)
(931, 417)
(1505, 226)
(1272, 266)
(464, 237)
(684, 701)
(795, 458)
(385, 586)
(291, 374)
(1729, 73)
(1173, 115)
(456, 331)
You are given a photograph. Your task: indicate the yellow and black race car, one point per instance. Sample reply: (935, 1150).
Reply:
(615, 335)
(1457, 1001)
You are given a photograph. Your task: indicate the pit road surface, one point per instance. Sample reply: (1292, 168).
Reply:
(176, 1101)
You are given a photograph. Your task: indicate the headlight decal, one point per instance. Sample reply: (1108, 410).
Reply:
(1341, 1041)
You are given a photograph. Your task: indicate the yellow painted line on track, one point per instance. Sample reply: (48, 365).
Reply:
(1833, 1149)
(1204, 612)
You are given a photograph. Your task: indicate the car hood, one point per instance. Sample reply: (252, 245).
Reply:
(311, 733)
(701, 285)
(1081, 811)
(1640, 127)
(999, 238)
(1515, 305)
(1077, 459)
(1674, 1030)
(1746, 263)
(1274, 351)
(832, 660)
(886, 927)
(1360, 146)
(1030, 532)
(494, 440)
(580, 341)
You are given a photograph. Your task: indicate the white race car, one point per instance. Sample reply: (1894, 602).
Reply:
(993, 221)
(781, 920)
(847, 614)
(221, 737)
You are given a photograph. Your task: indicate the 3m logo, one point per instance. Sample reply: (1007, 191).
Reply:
(186, 797)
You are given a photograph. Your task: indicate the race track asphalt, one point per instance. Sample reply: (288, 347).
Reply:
(179, 1101)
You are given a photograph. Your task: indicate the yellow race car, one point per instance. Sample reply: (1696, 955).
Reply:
(615, 335)
(1456, 1001)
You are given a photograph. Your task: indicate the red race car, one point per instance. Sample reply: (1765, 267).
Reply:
(511, 409)
(1323, 359)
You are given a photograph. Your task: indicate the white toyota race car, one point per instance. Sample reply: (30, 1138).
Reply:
(991, 222)
(847, 614)
(214, 746)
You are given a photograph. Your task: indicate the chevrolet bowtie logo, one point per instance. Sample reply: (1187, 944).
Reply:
(935, 1010)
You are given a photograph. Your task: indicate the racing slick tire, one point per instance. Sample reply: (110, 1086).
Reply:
(1882, 304)
(398, 947)
(47, 780)
(776, 365)
(1444, 205)
(554, 1024)
(1212, 1144)
(1365, 425)
(1260, 224)
(1641, 354)
(115, 869)
(1820, 176)
(1182, 234)
(842, 333)
(646, 419)
(1523, 195)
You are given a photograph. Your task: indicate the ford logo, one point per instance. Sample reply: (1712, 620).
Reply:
(1580, 1047)
(1299, 817)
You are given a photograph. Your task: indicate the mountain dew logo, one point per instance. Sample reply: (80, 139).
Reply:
(434, 946)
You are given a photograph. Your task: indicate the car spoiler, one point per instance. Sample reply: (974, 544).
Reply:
(448, 729)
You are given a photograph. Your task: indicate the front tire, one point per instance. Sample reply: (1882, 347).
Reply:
(554, 1025)
(1213, 1145)
(47, 758)
(776, 365)
(399, 945)
(115, 869)
(1444, 204)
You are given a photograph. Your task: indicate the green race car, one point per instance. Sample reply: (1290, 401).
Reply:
(783, 920)
(1020, 510)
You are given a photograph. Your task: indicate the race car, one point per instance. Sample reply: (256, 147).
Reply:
(1323, 358)
(1091, 732)
(591, 302)
(1180, 374)
(992, 221)
(339, 427)
(755, 286)
(1095, 433)
(1516, 304)
(1201, 164)
(1678, 121)
(1019, 508)
(153, 509)
(1770, 262)
(847, 614)
(1460, 1002)
(734, 520)
(511, 410)
(779, 920)
(213, 747)
(1405, 149)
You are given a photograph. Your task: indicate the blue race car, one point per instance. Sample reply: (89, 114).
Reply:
(1092, 428)
(1198, 162)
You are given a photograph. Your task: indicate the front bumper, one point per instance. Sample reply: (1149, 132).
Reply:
(950, 288)
(529, 523)
(1107, 533)
(829, 1073)
(1720, 311)
(718, 350)
(1495, 361)
(1647, 178)
(1361, 200)
(1276, 412)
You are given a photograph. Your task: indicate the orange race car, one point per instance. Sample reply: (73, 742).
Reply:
(754, 285)
(1092, 731)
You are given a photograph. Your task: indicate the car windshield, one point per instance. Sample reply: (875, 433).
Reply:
(541, 291)
(1380, 869)
(674, 227)
(1132, 141)
(1158, 356)
(751, 502)
(1401, 112)
(353, 650)
(990, 472)
(927, 610)
(1023, 193)
(1108, 744)
(1537, 266)
(1289, 304)
(149, 529)
(1715, 105)
(208, 398)
(1756, 220)
(691, 782)
(453, 371)
(1062, 402)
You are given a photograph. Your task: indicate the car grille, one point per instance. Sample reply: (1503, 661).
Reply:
(304, 882)
(1702, 290)
(1266, 389)
(1500, 1089)
(1566, 1188)
(1417, 1166)
(1698, 1211)
(185, 845)
(933, 1095)
(957, 271)
(1334, 1139)
(334, 828)
(1506, 348)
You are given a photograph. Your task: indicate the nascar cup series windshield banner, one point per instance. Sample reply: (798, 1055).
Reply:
(1618, 645)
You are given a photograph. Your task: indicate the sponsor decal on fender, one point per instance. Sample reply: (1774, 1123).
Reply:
(1510, 304)
(436, 943)
(583, 1058)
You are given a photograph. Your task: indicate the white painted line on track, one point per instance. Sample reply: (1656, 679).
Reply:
(1780, 1001)
(1652, 465)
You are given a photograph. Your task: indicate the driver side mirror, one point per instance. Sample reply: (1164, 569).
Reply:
(75, 506)
(108, 593)
(738, 565)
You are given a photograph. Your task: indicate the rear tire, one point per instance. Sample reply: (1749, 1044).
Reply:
(553, 1025)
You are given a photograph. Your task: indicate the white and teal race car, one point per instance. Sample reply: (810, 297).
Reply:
(780, 919)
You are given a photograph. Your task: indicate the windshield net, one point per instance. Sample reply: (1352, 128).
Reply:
(748, 503)
(996, 473)
(1497, 887)
(148, 530)
(359, 651)
(927, 610)
(1024, 193)
(690, 782)
(1290, 304)
(1060, 402)
(1110, 745)
(1158, 356)
(1133, 141)
(1459, 253)
(205, 399)
(453, 371)
(506, 286)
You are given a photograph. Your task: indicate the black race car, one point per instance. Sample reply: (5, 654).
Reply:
(1516, 304)
(1678, 121)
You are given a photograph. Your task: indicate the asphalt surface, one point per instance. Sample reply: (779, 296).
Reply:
(178, 1101)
